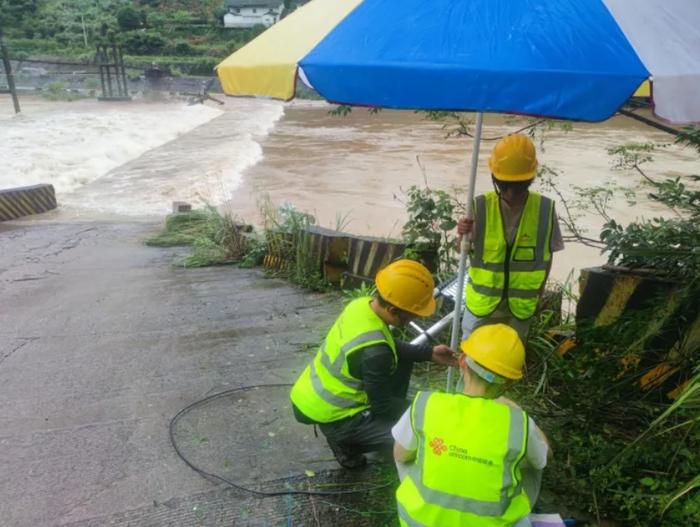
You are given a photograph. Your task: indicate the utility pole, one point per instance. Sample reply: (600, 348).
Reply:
(8, 72)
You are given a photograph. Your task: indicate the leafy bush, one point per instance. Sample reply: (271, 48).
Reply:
(255, 251)
(155, 20)
(143, 42)
(20, 55)
(181, 17)
(287, 238)
(129, 18)
(669, 245)
(58, 91)
(621, 452)
(182, 48)
(431, 224)
(13, 12)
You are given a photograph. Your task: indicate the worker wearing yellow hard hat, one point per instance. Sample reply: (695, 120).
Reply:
(472, 458)
(355, 387)
(515, 232)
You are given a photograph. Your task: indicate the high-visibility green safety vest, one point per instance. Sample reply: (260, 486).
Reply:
(467, 469)
(326, 391)
(516, 272)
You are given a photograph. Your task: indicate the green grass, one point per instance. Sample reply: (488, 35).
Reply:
(215, 239)
(181, 229)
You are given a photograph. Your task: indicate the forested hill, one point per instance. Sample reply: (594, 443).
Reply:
(187, 34)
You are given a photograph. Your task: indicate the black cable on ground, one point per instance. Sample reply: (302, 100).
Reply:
(258, 493)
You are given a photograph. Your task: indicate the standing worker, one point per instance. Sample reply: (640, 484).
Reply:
(472, 458)
(355, 387)
(515, 233)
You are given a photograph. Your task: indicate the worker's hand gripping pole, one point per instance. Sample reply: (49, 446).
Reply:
(464, 244)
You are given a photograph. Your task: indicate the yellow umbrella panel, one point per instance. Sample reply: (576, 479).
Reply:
(644, 90)
(267, 65)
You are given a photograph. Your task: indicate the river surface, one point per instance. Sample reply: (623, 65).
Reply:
(110, 160)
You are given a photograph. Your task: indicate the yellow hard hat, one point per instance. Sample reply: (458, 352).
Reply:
(514, 159)
(408, 285)
(497, 348)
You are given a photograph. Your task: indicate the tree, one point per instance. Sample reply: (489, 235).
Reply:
(13, 12)
(128, 18)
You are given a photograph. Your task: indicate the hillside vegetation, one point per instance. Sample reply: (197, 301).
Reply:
(187, 34)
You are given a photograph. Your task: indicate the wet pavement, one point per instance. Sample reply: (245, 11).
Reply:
(103, 341)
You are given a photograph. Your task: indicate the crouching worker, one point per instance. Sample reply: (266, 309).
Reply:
(473, 458)
(355, 387)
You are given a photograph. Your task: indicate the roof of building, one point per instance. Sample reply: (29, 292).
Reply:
(255, 3)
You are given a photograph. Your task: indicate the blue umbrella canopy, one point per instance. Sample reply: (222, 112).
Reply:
(559, 58)
(569, 59)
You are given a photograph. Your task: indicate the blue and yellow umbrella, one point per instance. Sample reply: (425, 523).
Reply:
(566, 59)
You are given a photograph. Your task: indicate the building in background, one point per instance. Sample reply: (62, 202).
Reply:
(248, 13)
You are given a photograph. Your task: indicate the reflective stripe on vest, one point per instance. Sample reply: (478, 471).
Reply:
(421, 504)
(326, 391)
(518, 271)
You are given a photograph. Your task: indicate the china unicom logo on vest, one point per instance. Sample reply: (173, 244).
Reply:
(438, 445)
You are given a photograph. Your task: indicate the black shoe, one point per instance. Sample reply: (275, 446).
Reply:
(347, 457)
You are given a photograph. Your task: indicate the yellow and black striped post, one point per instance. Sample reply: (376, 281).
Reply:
(25, 201)
(367, 255)
(670, 315)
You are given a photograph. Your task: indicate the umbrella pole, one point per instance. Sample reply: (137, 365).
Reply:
(465, 241)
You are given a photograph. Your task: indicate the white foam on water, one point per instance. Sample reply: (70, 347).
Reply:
(204, 166)
(138, 158)
(235, 147)
(71, 145)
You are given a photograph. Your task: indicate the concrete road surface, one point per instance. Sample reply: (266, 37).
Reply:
(102, 341)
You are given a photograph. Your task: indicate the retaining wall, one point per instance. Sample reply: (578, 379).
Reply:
(25, 201)
(666, 312)
(341, 258)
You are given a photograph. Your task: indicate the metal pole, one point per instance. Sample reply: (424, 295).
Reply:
(464, 249)
(123, 70)
(428, 335)
(117, 73)
(108, 72)
(100, 58)
(8, 73)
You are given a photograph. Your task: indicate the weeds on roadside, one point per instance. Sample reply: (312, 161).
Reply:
(288, 239)
(215, 238)
(180, 229)
(622, 451)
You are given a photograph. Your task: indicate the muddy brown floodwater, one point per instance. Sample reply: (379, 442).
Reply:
(355, 168)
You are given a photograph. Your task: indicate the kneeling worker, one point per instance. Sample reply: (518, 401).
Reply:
(355, 387)
(474, 458)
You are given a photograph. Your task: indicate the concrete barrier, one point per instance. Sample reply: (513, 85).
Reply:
(25, 201)
(341, 258)
(366, 256)
(662, 346)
